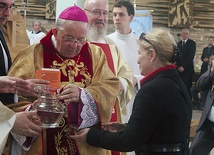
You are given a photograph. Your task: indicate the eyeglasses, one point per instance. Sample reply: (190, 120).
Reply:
(142, 37)
(4, 7)
(71, 40)
(98, 12)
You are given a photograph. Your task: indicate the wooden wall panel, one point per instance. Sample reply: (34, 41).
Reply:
(201, 12)
(179, 13)
(204, 14)
(159, 9)
(38, 8)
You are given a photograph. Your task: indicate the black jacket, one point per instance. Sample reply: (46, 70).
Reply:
(186, 57)
(206, 53)
(206, 82)
(5, 98)
(161, 115)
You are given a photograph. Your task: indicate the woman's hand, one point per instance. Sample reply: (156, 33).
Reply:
(113, 126)
(80, 135)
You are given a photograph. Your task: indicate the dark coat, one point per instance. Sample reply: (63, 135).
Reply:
(161, 115)
(206, 82)
(186, 61)
(5, 98)
(187, 56)
(207, 51)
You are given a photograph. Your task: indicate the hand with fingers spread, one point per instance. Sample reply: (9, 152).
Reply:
(27, 124)
(13, 85)
(35, 85)
(70, 93)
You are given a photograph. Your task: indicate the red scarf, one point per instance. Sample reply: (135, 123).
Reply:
(152, 74)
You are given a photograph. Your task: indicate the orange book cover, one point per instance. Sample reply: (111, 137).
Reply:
(52, 75)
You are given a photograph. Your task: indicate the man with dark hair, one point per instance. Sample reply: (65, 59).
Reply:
(5, 58)
(126, 41)
(203, 141)
(198, 104)
(205, 55)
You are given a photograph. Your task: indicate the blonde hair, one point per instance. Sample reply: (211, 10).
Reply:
(162, 41)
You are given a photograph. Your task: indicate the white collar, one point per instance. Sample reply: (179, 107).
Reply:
(185, 40)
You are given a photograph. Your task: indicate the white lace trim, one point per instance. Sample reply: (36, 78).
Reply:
(89, 112)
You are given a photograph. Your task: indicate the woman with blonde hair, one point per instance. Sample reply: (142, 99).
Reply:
(161, 116)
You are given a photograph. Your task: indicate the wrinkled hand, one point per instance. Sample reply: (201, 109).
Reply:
(113, 126)
(13, 85)
(27, 124)
(35, 84)
(70, 93)
(80, 135)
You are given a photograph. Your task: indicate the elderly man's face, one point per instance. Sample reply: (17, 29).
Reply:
(5, 10)
(97, 13)
(185, 34)
(37, 26)
(71, 39)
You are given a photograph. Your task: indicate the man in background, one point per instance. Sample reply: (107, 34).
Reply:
(5, 60)
(126, 41)
(203, 141)
(184, 63)
(198, 104)
(36, 34)
(206, 54)
(97, 12)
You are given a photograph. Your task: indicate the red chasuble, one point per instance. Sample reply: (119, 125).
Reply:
(107, 51)
(77, 70)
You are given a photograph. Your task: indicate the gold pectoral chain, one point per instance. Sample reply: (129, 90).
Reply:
(72, 72)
